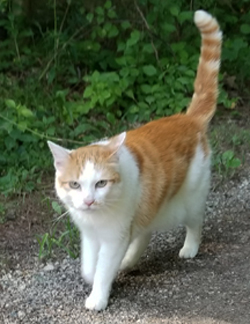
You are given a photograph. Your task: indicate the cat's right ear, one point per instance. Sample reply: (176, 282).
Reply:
(60, 155)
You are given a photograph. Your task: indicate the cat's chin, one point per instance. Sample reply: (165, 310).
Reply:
(87, 209)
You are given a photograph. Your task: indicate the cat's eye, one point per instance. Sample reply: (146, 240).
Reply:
(101, 183)
(74, 185)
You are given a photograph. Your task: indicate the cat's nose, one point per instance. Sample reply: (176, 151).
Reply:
(89, 202)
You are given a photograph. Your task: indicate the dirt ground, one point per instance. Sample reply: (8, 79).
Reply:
(212, 288)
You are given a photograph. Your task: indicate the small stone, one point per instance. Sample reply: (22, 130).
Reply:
(20, 314)
(49, 267)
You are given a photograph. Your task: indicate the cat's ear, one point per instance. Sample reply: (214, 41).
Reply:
(60, 155)
(116, 142)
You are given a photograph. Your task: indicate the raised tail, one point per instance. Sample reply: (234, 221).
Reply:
(203, 104)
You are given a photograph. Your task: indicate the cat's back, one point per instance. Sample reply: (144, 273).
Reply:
(167, 139)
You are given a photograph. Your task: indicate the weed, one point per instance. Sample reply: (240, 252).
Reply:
(62, 234)
(2, 214)
(226, 163)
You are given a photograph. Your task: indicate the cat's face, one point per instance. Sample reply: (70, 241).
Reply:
(88, 178)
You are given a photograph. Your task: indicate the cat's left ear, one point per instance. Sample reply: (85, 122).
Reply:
(60, 155)
(116, 142)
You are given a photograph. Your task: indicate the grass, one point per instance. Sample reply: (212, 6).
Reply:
(230, 143)
(61, 235)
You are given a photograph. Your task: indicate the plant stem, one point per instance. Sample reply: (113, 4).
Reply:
(43, 136)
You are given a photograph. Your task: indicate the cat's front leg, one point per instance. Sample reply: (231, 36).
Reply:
(109, 259)
(89, 254)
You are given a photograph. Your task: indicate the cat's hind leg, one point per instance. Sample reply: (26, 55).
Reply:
(192, 241)
(135, 250)
(193, 223)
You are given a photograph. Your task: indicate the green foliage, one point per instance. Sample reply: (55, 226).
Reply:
(2, 214)
(62, 235)
(85, 71)
(226, 163)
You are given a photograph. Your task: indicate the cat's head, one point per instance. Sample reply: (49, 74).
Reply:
(88, 178)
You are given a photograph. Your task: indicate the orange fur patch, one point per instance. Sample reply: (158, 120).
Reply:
(163, 150)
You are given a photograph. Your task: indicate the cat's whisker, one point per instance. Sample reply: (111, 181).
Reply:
(60, 217)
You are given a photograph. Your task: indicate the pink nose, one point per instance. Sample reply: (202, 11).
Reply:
(88, 202)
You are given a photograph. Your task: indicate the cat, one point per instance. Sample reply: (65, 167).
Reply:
(119, 190)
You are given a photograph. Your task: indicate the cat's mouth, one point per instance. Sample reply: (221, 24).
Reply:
(87, 208)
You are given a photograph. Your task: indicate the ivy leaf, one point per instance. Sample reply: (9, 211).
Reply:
(149, 70)
(134, 38)
(174, 11)
(125, 24)
(88, 92)
(57, 208)
(90, 17)
(10, 103)
(108, 4)
(25, 112)
(146, 88)
(245, 29)
(185, 16)
(113, 31)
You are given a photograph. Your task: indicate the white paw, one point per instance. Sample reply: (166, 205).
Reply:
(94, 302)
(188, 252)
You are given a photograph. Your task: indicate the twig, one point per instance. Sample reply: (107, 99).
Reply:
(43, 136)
(58, 51)
(149, 29)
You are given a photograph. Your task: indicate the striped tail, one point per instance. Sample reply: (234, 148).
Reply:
(203, 104)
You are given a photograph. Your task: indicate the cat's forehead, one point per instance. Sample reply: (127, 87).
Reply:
(89, 171)
(96, 154)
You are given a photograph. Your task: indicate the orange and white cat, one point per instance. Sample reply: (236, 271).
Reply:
(120, 190)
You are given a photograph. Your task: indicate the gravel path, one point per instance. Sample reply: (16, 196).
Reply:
(212, 288)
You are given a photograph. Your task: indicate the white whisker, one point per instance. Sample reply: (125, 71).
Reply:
(61, 216)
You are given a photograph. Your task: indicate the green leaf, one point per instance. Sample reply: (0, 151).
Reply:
(121, 60)
(9, 143)
(148, 48)
(235, 163)
(134, 38)
(150, 99)
(174, 11)
(146, 88)
(85, 108)
(245, 29)
(228, 155)
(111, 14)
(99, 11)
(133, 109)
(57, 208)
(90, 17)
(25, 112)
(88, 92)
(168, 28)
(125, 24)
(130, 93)
(113, 31)
(10, 103)
(107, 4)
(111, 118)
(185, 16)
(149, 70)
